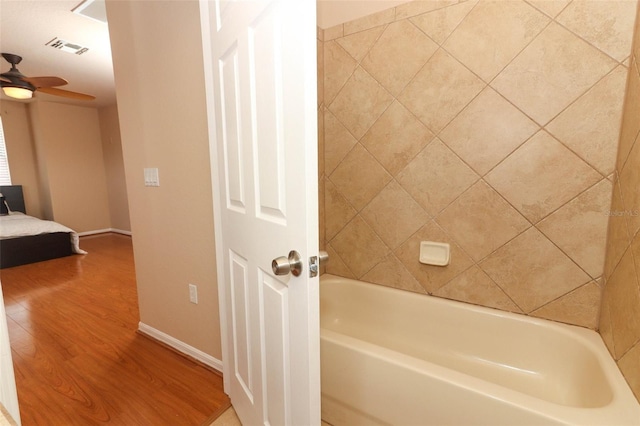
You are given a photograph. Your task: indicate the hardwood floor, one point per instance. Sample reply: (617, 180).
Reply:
(77, 355)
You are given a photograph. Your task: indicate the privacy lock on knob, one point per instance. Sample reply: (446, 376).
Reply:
(283, 265)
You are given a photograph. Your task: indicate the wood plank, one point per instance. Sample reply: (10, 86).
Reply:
(78, 357)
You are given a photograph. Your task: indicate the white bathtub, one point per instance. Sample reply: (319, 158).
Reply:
(394, 357)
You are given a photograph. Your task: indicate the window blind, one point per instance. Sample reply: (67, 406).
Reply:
(5, 176)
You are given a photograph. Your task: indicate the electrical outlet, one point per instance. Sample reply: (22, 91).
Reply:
(193, 293)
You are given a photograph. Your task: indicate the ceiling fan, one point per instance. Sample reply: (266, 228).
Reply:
(16, 85)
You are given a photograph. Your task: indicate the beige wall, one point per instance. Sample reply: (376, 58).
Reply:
(21, 153)
(114, 168)
(158, 65)
(68, 140)
(620, 314)
(491, 126)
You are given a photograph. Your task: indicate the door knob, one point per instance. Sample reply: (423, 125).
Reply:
(283, 265)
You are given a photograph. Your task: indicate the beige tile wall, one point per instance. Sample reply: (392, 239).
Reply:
(489, 125)
(620, 313)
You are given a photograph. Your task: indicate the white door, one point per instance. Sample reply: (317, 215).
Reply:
(260, 64)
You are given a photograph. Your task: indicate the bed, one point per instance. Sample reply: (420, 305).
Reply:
(25, 239)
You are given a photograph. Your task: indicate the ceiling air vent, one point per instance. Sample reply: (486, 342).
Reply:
(66, 46)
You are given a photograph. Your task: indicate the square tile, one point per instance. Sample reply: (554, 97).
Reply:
(367, 22)
(630, 124)
(358, 44)
(337, 265)
(487, 130)
(579, 307)
(338, 141)
(630, 367)
(493, 33)
(541, 176)
(430, 277)
(481, 221)
(440, 23)
(396, 138)
(579, 227)
(338, 67)
(623, 297)
(435, 177)
(440, 90)
(359, 177)
(391, 273)
(359, 247)
(608, 25)
(416, 7)
(618, 238)
(533, 271)
(590, 127)
(551, 72)
(398, 55)
(474, 286)
(337, 209)
(604, 326)
(360, 102)
(394, 215)
(629, 179)
(550, 7)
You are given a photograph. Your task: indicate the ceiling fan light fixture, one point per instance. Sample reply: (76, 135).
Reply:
(18, 92)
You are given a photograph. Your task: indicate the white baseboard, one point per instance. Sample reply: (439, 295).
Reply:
(104, 231)
(180, 346)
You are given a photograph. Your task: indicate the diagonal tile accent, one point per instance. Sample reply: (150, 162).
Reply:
(529, 177)
(618, 234)
(487, 130)
(391, 273)
(360, 102)
(359, 177)
(358, 44)
(371, 250)
(631, 129)
(432, 277)
(341, 211)
(396, 138)
(440, 90)
(337, 265)
(436, 177)
(590, 127)
(579, 307)
(622, 292)
(338, 67)
(474, 286)
(394, 215)
(337, 141)
(440, 23)
(629, 177)
(550, 7)
(398, 55)
(532, 271)
(607, 25)
(417, 7)
(481, 221)
(551, 72)
(486, 44)
(579, 227)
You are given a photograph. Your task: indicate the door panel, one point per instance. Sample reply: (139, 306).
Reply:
(261, 72)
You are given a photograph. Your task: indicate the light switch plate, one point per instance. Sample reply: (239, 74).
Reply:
(151, 177)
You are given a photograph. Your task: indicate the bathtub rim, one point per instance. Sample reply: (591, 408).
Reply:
(622, 396)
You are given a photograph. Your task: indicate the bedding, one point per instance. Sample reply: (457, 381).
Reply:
(18, 224)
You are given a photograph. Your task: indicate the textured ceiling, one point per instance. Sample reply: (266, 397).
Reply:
(27, 26)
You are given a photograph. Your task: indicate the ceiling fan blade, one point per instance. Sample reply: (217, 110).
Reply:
(48, 81)
(66, 93)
